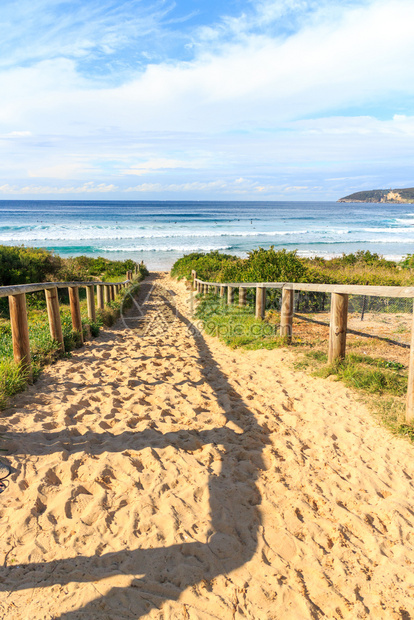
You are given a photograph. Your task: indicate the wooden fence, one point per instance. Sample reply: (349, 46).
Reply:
(338, 317)
(105, 293)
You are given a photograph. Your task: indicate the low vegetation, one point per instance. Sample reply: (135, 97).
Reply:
(23, 265)
(283, 266)
(237, 327)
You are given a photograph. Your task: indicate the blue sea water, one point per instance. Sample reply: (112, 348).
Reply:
(160, 232)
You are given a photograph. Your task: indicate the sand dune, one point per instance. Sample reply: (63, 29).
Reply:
(159, 474)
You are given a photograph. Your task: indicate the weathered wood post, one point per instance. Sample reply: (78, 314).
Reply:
(20, 330)
(100, 296)
(53, 313)
(107, 294)
(260, 302)
(337, 327)
(409, 412)
(286, 314)
(90, 298)
(242, 296)
(194, 284)
(75, 310)
(216, 290)
(230, 295)
(112, 292)
(223, 291)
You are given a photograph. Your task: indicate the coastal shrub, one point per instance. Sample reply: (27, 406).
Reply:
(260, 266)
(271, 265)
(23, 265)
(88, 268)
(408, 262)
(207, 266)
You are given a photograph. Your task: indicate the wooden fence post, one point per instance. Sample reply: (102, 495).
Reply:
(338, 326)
(286, 315)
(90, 298)
(107, 294)
(242, 296)
(230, 294)
(112, 292)
(100, 296)
(223, 291)
(20, 330)
(409, 412)
(216, 290)
(53, 313)
(75, 310)
(260, 302)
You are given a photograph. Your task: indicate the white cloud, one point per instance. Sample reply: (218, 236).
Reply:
(361, 56)
(38, 30)
(59, 171)
(232, 111)
(161, 163)
(86, 188)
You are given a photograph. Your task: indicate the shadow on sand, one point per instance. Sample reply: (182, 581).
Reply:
(165, 572)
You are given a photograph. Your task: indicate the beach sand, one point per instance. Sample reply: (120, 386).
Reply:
(159, 474)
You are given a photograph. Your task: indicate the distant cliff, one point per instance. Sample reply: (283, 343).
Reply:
(394, 196)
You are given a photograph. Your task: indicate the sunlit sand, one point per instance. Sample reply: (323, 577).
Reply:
(159, 474)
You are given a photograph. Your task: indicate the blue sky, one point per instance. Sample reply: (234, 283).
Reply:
(272, 100)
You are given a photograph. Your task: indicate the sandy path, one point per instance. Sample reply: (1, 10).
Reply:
(161, 475)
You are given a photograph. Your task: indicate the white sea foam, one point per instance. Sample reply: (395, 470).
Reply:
(391, 240)
(96, 234)
(394, 230)
(165, 248)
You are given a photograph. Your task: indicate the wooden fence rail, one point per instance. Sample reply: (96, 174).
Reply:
(338, 317)
(105, 293)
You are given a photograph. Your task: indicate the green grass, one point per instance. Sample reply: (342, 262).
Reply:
(236, 327)
(360, 372)
(13, 379)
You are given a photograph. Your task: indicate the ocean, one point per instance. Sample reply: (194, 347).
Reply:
(159, 232)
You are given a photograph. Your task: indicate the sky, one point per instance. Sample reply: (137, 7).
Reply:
(205, 100)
